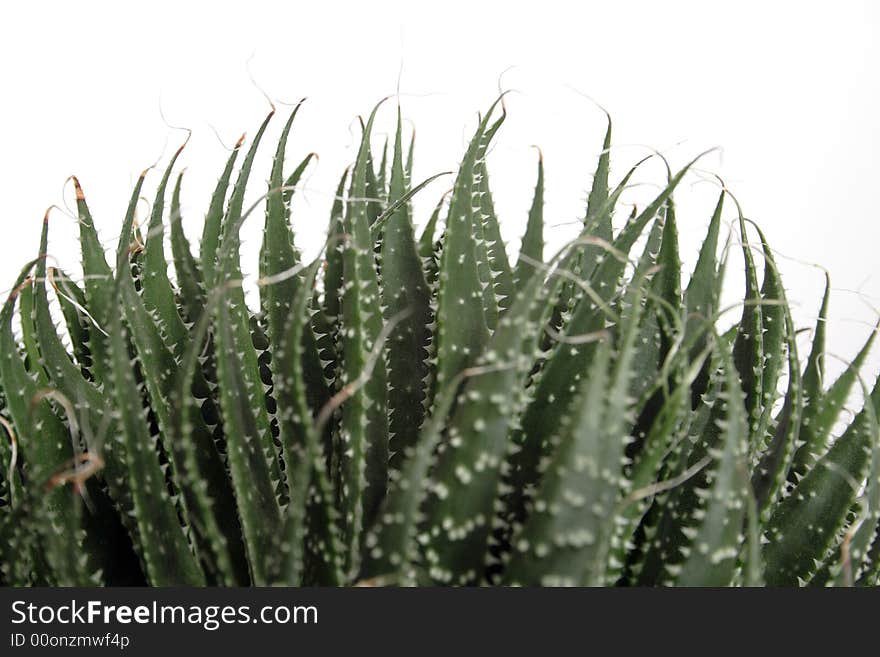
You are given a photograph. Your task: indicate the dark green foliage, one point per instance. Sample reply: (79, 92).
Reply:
(419, 411)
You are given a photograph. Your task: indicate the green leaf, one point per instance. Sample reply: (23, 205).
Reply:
(157, 293)
(820, 413)
(250, 467)
(98, 283)
(392, 543)
(166, 551)
(857, 560)
(292, 181)
(45, 447)
(711, 557)
(598, 198)
(404, 290)
(801, 530)
(597, 224)
(362, 450)
(769, 475)
(871, 571)
(326, 320)
(373, 193)
(198, 470)
(501, 275)
(554, 392)
(427, 241)
(335, 244)
(479, 239)
(33, 358)
(814, 372)
(666, 434)
(557, 545)
(213, 226)
(72, 300)
(466, 481)
(430, 248)
(670, 527)
(748, 348)
(189, 273)
(253, 461)
(409, 159)
(753, 567)
(773, 322)
(567, 535)
(701, 294)
(93, 412)
(278, 255)
(646, 379)
(311, 551)
(532, 248)
(462, 332)
(661, 327)
(666, 284)
(381, 174)
(279, 261)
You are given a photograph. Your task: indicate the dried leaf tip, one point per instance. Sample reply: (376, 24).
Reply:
(14, 292)
(240, 140)
(80, 196)
(183, 145)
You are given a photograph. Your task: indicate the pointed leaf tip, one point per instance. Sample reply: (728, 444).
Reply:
(80, 196)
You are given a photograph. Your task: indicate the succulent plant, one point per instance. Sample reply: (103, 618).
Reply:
(416, 410)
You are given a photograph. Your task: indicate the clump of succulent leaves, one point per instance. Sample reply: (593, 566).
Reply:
(423, 411)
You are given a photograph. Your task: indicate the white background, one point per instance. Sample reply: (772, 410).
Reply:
(787, 91)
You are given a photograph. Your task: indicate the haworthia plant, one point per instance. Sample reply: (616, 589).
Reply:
(413, 408)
